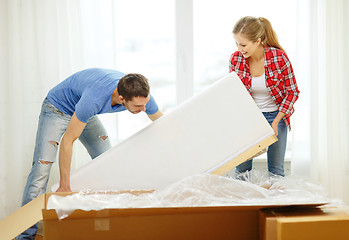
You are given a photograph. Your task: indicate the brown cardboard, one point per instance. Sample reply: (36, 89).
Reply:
(39, 237)
(224, 222)
(154, 223)
(248, 154)
(22, 219)
(303, 224)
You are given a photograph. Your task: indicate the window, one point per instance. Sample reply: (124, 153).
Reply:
(133, 36)
(213, 38)
(140, 36)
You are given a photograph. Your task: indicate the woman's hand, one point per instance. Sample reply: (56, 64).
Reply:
(274, 126)
(275, 123)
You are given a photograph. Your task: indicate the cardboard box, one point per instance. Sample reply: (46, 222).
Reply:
(303, 224)
(39, 237)
(154, 223)
(223, 222)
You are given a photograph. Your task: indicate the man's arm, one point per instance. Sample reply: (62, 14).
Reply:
(73, 131)
(156, 115)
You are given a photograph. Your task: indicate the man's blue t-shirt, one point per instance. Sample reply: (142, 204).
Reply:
(89, 92)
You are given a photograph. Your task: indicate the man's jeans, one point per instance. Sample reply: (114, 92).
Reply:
(276, 151)
(51, 127)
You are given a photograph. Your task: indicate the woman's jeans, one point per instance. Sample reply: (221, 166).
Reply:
(51, 127)
(276, 151)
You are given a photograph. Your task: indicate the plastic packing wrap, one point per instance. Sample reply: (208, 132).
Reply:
(256, 188)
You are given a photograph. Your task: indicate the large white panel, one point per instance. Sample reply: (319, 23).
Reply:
(198, 136)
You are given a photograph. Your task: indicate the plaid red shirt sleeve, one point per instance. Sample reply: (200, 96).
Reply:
(280, 79)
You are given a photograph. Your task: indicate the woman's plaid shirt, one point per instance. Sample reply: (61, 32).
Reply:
(280, 79)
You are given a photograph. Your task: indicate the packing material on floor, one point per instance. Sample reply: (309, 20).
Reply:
(201, 190)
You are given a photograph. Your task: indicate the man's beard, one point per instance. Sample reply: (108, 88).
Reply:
(133, 112)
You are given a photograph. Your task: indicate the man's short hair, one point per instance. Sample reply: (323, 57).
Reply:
(133, 85)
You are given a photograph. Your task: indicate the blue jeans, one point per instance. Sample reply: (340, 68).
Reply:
(51, 127)
(276, 151)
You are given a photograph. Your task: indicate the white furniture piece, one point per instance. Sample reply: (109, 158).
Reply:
(212, 132)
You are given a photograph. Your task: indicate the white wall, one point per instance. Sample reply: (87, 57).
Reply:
(3, 117)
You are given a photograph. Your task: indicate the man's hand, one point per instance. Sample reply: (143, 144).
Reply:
(63, 189)
(73, 131)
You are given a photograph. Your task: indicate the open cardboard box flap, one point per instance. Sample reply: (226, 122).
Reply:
(24, 217)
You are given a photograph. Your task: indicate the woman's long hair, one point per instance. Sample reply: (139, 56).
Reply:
(253, 28)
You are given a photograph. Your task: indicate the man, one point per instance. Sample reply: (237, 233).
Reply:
(70, 110)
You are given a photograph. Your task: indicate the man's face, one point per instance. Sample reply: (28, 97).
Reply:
(136, 105)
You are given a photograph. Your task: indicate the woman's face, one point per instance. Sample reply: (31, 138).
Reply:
(245, 46)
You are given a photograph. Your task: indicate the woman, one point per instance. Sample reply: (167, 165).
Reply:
(265, 70)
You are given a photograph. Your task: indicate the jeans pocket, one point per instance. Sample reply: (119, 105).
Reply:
(50, 108)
